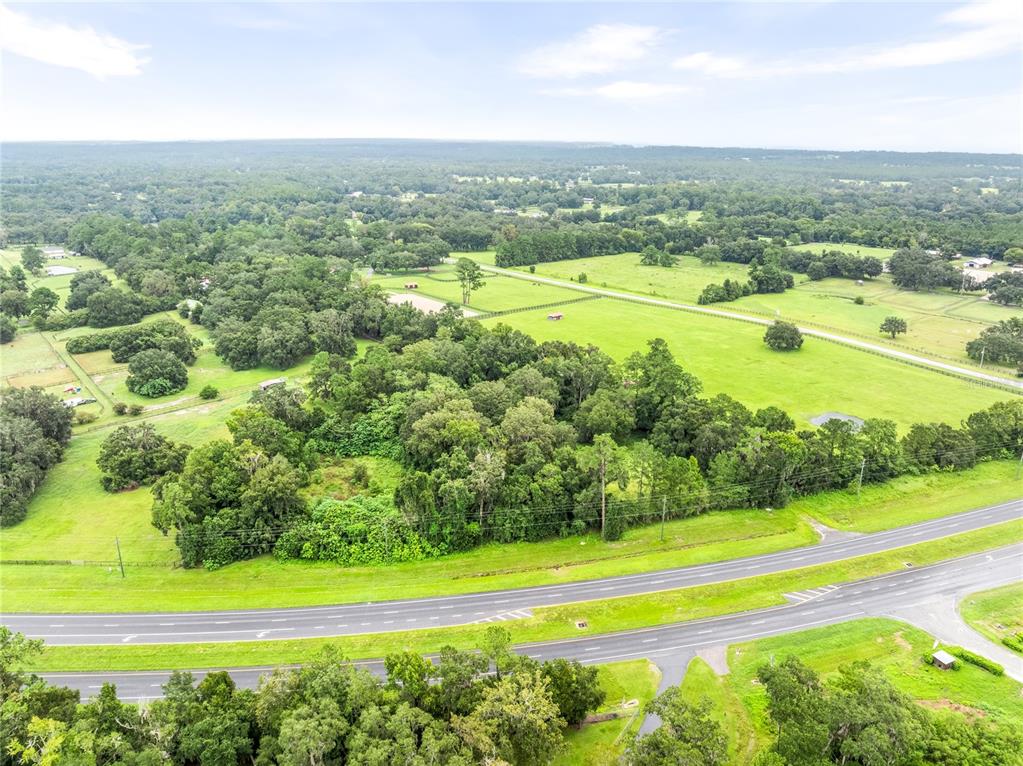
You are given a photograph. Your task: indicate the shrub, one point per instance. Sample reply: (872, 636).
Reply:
(858, 300)
(1014, 642)
(209, 392)
(975, 659)
(120, 408)
(582, 278)
(82, 417)
(360, 475)
(135, 409)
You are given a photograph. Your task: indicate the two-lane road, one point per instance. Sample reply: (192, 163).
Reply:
(873, 597)
(386, 616)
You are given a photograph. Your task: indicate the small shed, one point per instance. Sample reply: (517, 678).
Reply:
(979, 263)
(270, 383)
(943, 660)
(557, 315)
(411, 285)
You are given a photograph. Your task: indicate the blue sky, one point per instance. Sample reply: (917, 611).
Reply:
(907, 76)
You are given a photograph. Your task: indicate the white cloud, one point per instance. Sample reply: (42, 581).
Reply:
(624, 90)
(986, 29)
(83, 48)
(600, 49)
(709, 63)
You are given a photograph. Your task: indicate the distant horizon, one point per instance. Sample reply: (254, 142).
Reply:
(520, 141)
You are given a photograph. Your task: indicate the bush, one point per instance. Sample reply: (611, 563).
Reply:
(120, 408)
(582, 278)
(783, 336)
(1014, 642)
(135, 409)
(82, 417)
(858, 300)
(209, 392)
(975, 659)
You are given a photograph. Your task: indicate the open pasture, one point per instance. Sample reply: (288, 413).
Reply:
(883, 253)
(683, 282)
(729, 356)
(499, 293)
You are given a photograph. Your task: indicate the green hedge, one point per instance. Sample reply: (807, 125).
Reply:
(975, 659)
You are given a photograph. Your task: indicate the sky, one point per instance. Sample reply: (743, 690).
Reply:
(816, 75)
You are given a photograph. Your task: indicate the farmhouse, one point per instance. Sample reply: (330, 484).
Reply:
(979, 263)
(943, 660)
(55, 252)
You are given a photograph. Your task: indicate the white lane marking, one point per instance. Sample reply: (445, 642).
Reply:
(590, 648)
(657, 582)
(758, 622)
(126, 639)
(648, 640)
(319, 627)
(279, 619)
(855, 603)
(705, 631)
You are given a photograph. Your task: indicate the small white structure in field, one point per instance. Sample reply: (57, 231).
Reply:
(978, 263)
(943, 660)
(271, 383)
(60, 271)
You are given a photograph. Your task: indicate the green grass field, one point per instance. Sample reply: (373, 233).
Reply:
(729, 356)
(595, 743)
(939, 323)
(893, 646)
(996, 613)
(500, 293)
(883, 253)
(602, 616)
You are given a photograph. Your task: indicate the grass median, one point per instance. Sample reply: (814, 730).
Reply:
(603, 616)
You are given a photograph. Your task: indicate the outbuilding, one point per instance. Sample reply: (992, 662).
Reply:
(555, 316)
(270, 383)
(979, 263)
(943, 660)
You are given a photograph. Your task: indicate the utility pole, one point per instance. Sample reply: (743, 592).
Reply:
(859, 484)
(983, 350)
(664, 513)
(120, 561)
(1019, 466)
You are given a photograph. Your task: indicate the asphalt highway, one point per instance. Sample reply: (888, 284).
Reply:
(872, 597)
(386, 616)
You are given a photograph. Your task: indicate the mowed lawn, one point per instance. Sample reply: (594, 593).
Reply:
(939, 323)
(499, 293)
(682, 282)
(996, 613)
(730, 357)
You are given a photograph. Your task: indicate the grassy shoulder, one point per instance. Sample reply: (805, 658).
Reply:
(910, 499)
(629, 686)
(62, 520)
(891, 645)
(603, 616)
(996, 613)
(701, 682)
